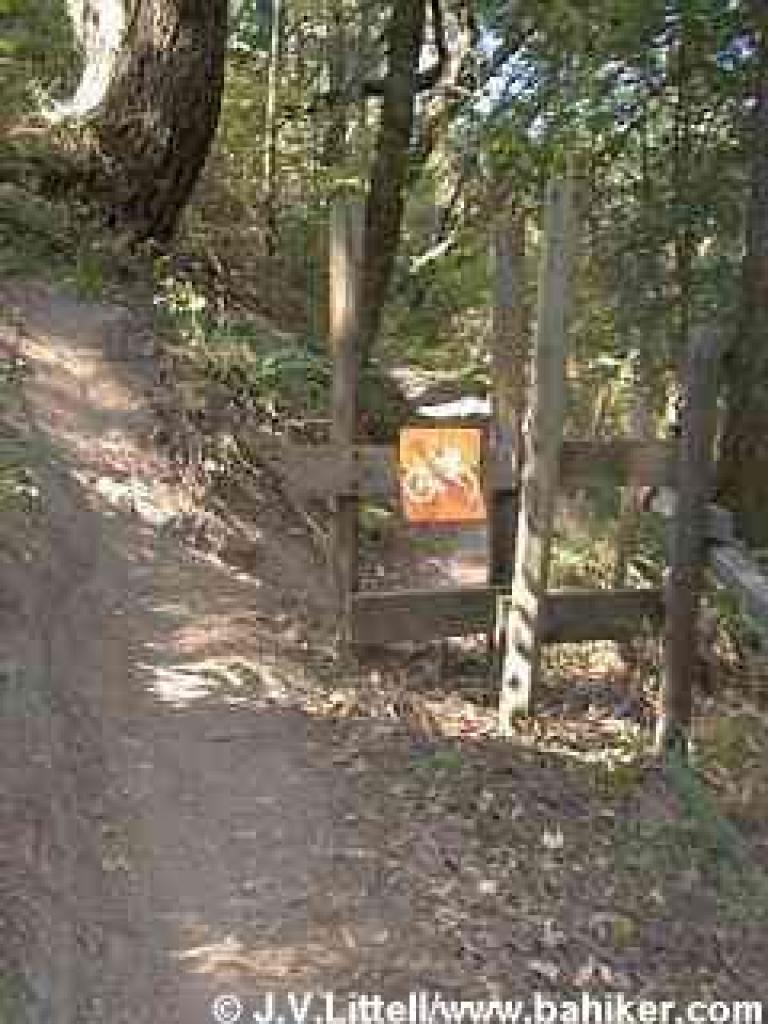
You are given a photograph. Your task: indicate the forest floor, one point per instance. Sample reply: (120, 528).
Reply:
(202, 800)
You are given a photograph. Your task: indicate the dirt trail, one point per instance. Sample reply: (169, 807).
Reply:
(218, 835)
(196, 803)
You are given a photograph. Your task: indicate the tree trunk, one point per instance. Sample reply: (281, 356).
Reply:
(640, 424)
(161, 111)
(743, 479)
(98, 26)
(363, 60)
(510, 357)
(683, 244)
(386, 198)
(336, 133)
(272, 128)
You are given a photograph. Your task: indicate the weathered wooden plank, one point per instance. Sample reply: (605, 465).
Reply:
(509, 367)
(345, 257)
(574, 615)
(519, 616)
(735, 570)
(640, 428)
(376, 472)
(641, 463)
(567, 616)
(644, 463)
(323, 471)
(683, 583)
(719, 528)
(412, 616)
(316, 471)
(369, 471)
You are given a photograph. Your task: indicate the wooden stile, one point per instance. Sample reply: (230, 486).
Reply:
(370, 471)
(346, 252)
(377, 618)
(684, 576)
(734, 569)
(520, 615)
(509, 366)
(523, 611)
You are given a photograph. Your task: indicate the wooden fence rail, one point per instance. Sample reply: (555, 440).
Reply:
(695, 479)
(736, 571)
(522, 610)
(417, 616)
(520, 614)
(370, 472)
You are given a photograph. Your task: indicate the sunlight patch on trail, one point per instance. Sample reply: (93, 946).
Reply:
(233, 684)
(230, 954)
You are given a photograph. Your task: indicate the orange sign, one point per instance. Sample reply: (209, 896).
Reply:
(440, 474)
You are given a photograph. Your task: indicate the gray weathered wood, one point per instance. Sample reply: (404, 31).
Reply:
(344, 325)
(735, 570)
(643, 463)
(683, 584)
(509, 367)
(415, 616)
(719, 527)
(572, 616)
(520, 614)
(323, 471)
(718, 523)
(376, 472)
(370, 470)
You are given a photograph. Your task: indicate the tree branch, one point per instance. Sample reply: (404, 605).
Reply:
(373, 88)
(430, 78)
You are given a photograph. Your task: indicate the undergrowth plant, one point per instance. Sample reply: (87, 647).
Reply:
(697, 845)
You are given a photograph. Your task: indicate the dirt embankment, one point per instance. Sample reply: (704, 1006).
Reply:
(109, 626)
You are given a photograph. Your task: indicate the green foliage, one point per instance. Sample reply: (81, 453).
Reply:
(649, 99)
(739, 632)
(46, 223)
(14, 995)
(19, 485)
(269, 374)
(36, 54)
(61, 241)
(699, 847)
(712, 839)
(32, 231)
(251, 27)
(284, 378)
(276, 375)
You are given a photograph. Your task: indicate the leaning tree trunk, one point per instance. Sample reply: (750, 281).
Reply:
(743, 477)
(161, 111)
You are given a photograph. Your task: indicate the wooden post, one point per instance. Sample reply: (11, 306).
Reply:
(684, 577)
(640, 429)
(345, 255)
(520, 615)
(509, 367)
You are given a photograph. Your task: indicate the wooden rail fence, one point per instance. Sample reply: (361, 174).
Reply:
(518, 606)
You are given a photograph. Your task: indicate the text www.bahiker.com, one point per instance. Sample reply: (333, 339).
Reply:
(434, 1008)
